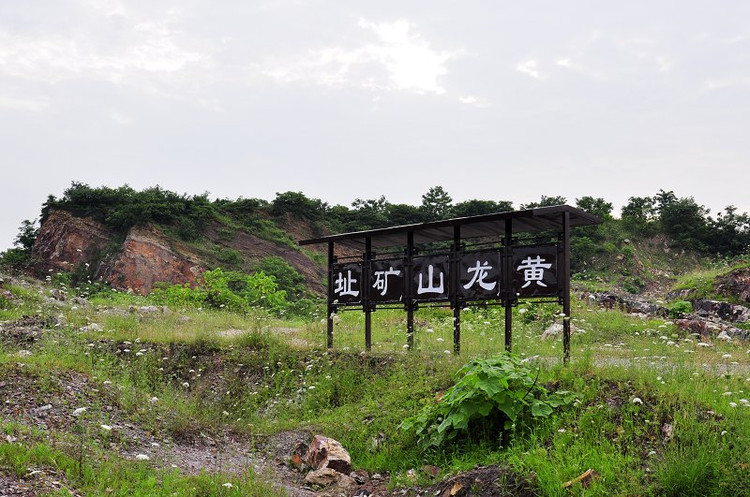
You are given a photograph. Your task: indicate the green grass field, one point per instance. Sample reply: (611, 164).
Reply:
(661, 412)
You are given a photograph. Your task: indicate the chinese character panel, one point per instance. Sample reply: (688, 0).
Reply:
(535, 271)
(387, 281)
(479, 275)
(347, 283)
(430, 278)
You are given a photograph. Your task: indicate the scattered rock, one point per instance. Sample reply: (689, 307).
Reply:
(58, 294)
(736, 283)
(91, 327)
(79, 301)
(334, 483)
(326, 452)
(723, 310)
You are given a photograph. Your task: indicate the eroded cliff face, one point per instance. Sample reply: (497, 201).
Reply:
(148, 256)
(70, 243)
(65, 242)
(147, 259)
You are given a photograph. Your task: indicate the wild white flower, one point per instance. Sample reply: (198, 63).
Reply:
(430, 330)
(726, 356)
(106, 427)
(153, 400)
(723, 432)
(186, 384)
(79, 411)
(652, 453)
(311, 387)
(744, 402)
(637, 400)
(727, 394)
(227, 484)
(733, 404)
(142, 457)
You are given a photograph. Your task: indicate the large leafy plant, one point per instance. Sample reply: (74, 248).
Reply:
(495, 395)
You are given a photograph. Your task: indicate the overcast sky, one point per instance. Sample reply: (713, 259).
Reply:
(356, 99)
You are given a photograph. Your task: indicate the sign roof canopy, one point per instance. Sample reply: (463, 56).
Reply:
(472, 227)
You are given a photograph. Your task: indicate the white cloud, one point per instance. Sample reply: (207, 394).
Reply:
(530, 68)
(147, 47)
(400, 59)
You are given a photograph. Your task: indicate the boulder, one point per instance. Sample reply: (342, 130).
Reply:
(325, 452)
(335, 484)
(736, 283)
(722, 310)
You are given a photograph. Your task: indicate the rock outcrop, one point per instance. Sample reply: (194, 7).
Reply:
(66, 242)
(736, 283)
(146, 259)
(71, 243)
(137, 260)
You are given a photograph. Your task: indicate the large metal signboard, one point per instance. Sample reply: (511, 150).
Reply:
(500, 270)
(533, 270)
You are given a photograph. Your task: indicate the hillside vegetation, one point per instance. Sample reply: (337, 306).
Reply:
(654, 240)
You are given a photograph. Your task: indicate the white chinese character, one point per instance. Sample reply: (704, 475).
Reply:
(381, 279)
(431, 288)
(344, 285)
(533, 270)
(480, 273)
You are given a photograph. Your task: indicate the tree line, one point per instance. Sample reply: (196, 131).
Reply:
(682, 220)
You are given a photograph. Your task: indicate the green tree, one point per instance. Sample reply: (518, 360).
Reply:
(476, 207)
(596, 206)
(436, 204)
(297, 204)
(545, 201)
(685, 222)
(399, 214)
(639, 215)
(26, 236)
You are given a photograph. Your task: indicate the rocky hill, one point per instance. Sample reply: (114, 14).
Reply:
(147, 254)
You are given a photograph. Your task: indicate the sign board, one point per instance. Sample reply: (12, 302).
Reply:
(481, 274)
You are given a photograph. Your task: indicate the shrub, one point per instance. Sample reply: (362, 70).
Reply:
(679, 308)
(229, 290)
(495, 395)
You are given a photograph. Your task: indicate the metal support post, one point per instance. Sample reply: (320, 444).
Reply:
(508, 276)
(409, 290)
(366, 293)
(454, 269)
(331, 308)
(566, 287)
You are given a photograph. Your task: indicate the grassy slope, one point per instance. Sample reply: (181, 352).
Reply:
(269, 376)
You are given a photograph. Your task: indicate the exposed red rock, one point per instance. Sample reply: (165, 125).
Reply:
(147, 256)
(66, 242)
(146, 259)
